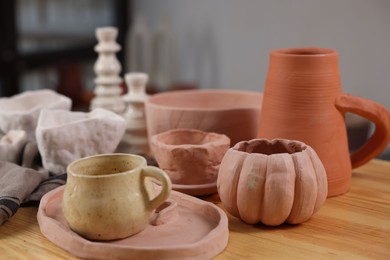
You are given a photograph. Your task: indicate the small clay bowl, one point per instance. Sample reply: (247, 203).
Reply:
(272, 181)
(189, 156)
(234, 113)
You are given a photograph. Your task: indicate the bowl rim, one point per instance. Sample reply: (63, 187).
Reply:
(150, 101)
(217, 141)
(261, 141)
(57, 98)
(304, 52)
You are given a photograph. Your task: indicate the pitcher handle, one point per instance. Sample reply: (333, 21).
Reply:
(374, 112)
(166, 185)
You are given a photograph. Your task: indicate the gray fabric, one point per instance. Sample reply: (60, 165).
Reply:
(47, 185)
(25, 182)
(16, 184)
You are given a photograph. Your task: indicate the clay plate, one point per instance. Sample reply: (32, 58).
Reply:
(196, 190)
(199, 231)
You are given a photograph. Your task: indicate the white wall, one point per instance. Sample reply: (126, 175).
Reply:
(225, 43)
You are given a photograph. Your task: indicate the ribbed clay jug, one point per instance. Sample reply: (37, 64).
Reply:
(303, 101)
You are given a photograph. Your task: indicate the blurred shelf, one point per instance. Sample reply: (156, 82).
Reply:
(36, 59)
(25, 50)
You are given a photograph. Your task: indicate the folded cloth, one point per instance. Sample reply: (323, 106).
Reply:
(11, 145)
(25, 182)
(47, 185)
(16, 184)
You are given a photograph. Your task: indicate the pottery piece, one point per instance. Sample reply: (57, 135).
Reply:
(21, 111)
(107, 69)
(188, 156)
(167, 212)
(135, 139)
(163, 67)
(110, 196)
(272, 181)
(138, 40)
(11, 146)
(64, 136)
(303, 101)
(358, 130)
(197, 190)
(230, 112)
(200, 232)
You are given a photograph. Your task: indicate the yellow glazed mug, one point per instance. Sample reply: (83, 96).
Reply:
(110, 196)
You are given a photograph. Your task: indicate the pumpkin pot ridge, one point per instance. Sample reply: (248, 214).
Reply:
(272, 181)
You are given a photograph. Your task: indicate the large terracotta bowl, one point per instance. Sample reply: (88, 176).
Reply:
(231, 112)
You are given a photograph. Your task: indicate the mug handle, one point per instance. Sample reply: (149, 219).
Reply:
(166, 185)
(374, 112)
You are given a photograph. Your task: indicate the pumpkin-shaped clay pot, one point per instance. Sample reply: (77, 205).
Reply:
(272, 181)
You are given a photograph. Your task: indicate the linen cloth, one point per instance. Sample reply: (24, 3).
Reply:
(23, 179)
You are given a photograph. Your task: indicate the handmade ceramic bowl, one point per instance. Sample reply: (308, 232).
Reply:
(231, 112)
(188, 156)
(272, 181)
(21, 112)
(65, 136)
(11, 146)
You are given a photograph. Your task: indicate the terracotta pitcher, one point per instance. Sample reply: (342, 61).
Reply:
(303, 101)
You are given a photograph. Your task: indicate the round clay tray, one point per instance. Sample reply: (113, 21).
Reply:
(199, 230)
(196, 190)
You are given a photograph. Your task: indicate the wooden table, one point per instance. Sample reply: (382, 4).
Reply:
(355, 225)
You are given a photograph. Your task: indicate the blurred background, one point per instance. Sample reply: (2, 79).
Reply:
(185, 44)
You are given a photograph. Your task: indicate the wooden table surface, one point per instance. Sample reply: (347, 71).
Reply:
(355, 225)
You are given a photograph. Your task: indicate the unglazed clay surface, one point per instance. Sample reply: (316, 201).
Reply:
(64, 136)
(272, 181)
(135, 139)
(107, 69)
(21, 112)
(190, 156)
(303, 101)
(196, 190)
(109, 197)
(233, 113)
(199, 231)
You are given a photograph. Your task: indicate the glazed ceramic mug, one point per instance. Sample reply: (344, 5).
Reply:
(110, 196)
(303, 100)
